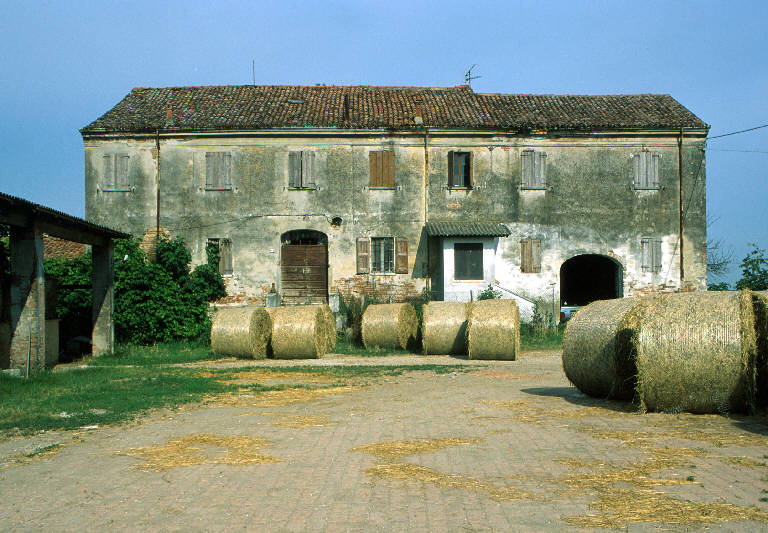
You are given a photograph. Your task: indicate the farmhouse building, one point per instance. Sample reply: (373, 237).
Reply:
(311, 190)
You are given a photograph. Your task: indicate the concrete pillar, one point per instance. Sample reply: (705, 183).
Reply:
(27, 324)
(103, 280)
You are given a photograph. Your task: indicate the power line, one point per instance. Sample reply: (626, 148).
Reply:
(742, 151)
(737, 132)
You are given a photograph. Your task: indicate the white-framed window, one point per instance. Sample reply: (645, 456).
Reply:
(468, 261)
(533, 169)
(218, 171)
(646, 169)
(301, 170)
(651, 254)
(116, 172)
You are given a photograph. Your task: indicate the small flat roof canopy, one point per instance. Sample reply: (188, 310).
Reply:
(455, 228)
(19, 212)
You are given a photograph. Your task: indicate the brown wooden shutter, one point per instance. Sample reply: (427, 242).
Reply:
(653, 171)
(468, 181)
(109, 172)
(363, 255)
(525, 255)
(226, 170)
(308, 170)
(388, 174)
(209, 169)
(294, 170)
(535, 255)
(541, 169)
(451, 163)
(636, 168)
(526, 169)
(375, 169)
(401, 255)
(643, 171)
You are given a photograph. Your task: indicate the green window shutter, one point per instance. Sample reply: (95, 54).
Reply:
(210, 169)
(540, 177)
(226, 170)
(636, 168)
(308, 170)
(121, 178)
(294, 170)
(109, 171)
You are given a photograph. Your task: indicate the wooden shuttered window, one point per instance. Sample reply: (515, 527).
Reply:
(217, 170)
(646, 169)
(382, 169)
(459, 169)
(363, 255)
(533, 169)
(401, 255)
(116, 169)
(225, 261)
(651, 254)
(382, 255)
(301, 170)
(530, 256)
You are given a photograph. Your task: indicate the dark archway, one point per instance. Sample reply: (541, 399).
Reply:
(586, 278)
(304, 266)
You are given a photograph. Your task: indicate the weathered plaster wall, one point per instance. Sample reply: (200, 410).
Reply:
(590, 205)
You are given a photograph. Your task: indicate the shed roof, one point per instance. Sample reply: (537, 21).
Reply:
(255, 107)
(453, 228)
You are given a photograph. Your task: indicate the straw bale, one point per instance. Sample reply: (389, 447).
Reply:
(444, 328)
(390, 326)
(299, 332)
(329, 321)
(595, 359)
(694, 352)
(761, 327)
(493, 330)
(241, 332)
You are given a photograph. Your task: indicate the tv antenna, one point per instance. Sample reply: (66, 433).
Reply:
(468, 77)
(253, 68)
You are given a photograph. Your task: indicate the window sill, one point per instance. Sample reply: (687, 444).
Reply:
(384, 273)
(647, 188)
(118, 189)
(302, 188)
(534, 188)
(460, 188)
(218, 188)
(480, 280)
(381, 188)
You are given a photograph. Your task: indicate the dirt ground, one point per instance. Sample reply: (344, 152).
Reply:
(503, 446)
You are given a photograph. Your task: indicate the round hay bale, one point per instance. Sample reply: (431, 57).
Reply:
(493, 330)
(444, 328)
(694, 352)
(760, 301)
(595, 357)
(390, 326)
(298, 332)
(241, 332)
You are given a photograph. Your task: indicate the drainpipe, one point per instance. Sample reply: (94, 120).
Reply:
(426, 197)
(157, 184)
(680, 200)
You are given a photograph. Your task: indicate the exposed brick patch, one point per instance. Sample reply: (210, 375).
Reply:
(386, 289)
(61, 248)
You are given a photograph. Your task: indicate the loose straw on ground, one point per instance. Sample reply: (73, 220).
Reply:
(493, 330)
(595, 356)
(241, 332)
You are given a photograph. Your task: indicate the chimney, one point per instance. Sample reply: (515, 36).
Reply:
(418, 118)
(346, 108)
(168, 116)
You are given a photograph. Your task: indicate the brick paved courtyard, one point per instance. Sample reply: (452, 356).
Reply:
(498, 446)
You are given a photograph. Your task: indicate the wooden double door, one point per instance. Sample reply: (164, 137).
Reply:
(304, 273)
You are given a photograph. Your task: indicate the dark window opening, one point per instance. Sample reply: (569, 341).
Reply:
(586, 278)
(304, 236)
(468, 261)
(221, 248)
(460, 169)
(382, 254)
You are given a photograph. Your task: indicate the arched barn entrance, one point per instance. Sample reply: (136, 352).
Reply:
(304, 266)
(586, 278)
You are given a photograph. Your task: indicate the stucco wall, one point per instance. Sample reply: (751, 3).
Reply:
(590, 204)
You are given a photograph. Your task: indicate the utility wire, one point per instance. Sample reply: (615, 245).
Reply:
(742, 151)
(737, 132)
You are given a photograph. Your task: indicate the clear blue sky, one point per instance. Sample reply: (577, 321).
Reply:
(63, 64)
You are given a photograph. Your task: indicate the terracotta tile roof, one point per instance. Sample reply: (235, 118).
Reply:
(60, 248)
(249, 107)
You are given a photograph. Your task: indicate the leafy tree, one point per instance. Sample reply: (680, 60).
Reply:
(722, 286)
(754, 270)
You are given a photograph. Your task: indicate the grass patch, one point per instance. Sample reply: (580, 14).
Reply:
(159, 354)
(69, 400)
(533, 339)
(344, 346)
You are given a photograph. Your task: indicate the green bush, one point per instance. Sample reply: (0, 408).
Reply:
(489, 294)
(754, 270)
(154, 302)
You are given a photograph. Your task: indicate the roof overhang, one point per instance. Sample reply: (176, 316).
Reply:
(457, 228)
